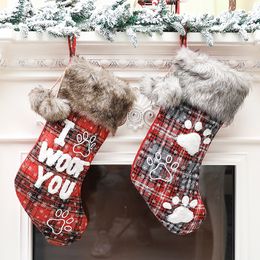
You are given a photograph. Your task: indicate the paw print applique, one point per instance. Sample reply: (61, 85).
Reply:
(60, 223)
(181, 214)
(90, 143)
(191, 142)
(162, 170)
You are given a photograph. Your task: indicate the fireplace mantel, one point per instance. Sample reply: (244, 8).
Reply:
(42, 51)
(40, 59)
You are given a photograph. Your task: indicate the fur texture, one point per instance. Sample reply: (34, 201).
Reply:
(97, 94)
(210, 85)
(202, 82)
(163, 92)
(47, 105)
(88, 90)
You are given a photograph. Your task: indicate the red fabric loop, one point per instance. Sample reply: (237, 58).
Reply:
(72, 42)
(177, 6)
(183, 38)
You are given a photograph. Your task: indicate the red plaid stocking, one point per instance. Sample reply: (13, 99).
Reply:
(49, 181)
(166, 168)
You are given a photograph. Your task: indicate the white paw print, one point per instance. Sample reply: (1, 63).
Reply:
(181, 214)
(162, 170)
(89, 141)
(60, 223)
(191, 142)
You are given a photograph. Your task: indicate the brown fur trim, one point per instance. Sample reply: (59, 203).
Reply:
(97, 94)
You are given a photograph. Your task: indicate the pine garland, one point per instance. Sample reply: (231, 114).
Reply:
(69, 17)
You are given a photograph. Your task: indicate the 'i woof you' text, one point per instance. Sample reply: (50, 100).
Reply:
(62, 162)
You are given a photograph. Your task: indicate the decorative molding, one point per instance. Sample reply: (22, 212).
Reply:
(133, 63)
(26, 229)
(242, 64)
(56, 63)
(118, 64)
(43, 52)
(26, 236)
(141, 115)
(105, 63)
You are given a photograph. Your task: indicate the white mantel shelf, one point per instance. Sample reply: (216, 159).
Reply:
(167, 38)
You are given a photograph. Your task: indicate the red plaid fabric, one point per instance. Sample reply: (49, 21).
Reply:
(60, 221)
(166, 168)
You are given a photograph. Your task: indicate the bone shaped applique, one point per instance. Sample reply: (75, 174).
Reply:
(90, 143)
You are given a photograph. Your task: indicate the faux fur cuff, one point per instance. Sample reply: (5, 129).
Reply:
(163, 92)
(90, 91)
(202, 82)
(210, 85)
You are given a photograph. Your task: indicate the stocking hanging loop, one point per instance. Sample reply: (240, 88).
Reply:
(177, 6)
(72, 42)
(183, 38)
(72, 52)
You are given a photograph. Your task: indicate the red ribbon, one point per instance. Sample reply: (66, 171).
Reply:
(72, 42)
(183, 38)
(177, 6)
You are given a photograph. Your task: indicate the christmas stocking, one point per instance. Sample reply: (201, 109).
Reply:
(204, 94)
(90, 103)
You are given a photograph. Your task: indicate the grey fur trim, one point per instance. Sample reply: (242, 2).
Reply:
(97, 94)
(163, 92)
(210, 85)
(47, 105)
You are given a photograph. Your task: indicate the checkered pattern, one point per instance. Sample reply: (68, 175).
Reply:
(160, 156)
(43, 207)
